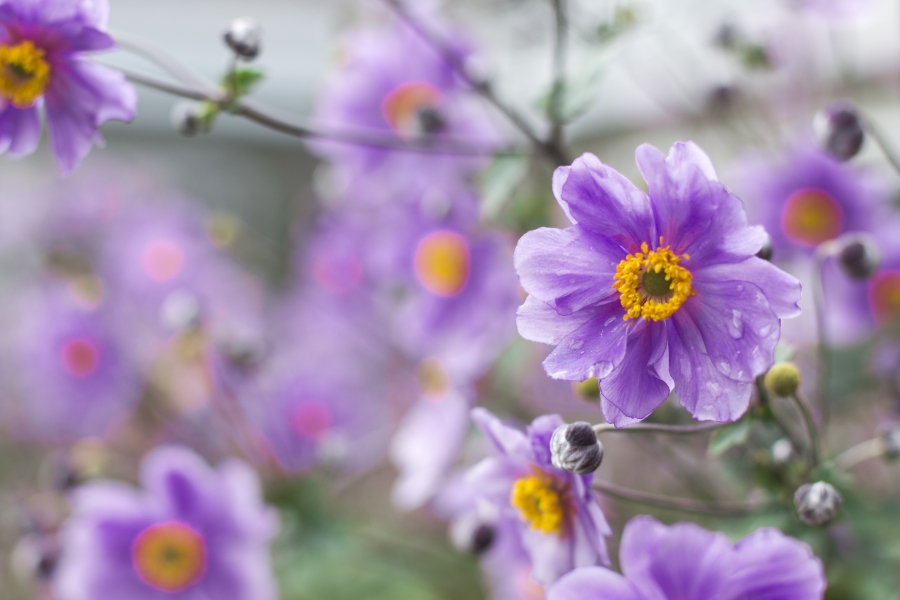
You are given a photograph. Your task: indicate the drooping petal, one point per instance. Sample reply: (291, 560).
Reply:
(635, 387)
(592, 583)
(601, 200)
(771, 566)
(673, 562)
(507, 441)
(20, 130)
(567, 268)
(701, 389)
(592, 350)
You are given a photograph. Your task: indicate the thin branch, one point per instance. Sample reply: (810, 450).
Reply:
(689, 505)
(559, 71)
(265, 118)
(482, 86)
(882, 142)
(165, 61)
(658, 428)
(854, 455)
(810, 421)
(823, 353)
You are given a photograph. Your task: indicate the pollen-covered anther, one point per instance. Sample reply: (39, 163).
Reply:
(24, 73)
(541, 502)
(652, 283)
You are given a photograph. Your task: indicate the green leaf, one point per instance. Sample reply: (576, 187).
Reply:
(729, 436)
(498, 182)
(242, 81)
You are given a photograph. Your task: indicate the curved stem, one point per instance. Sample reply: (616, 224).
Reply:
(808, 418)
(854, 455)
(882, 143)
(483, 87)
(823, 355)
(658, 428)
(689, 505)
(165, 61)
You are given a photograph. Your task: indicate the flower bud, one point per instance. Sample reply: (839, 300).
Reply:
(766, 251)
(473, 534)
(589, 389)
(187, 119)
(817, 503)
(889, 435)
(34, 558)
(575, 447)
(180, 311)
(859, 256)
(783, 379)
(244, 37)
(838, 130)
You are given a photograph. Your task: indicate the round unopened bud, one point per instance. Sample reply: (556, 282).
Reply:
(244, 37)
(34, 557)
(766, 251)
(838, 130)
(473, 534)
(783, 379)
(431, 121)
(575, 447)
(859, 256)
(187, 119)
(889, 435)
(589, 389)
(817, 503)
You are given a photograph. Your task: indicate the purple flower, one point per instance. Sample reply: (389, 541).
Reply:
(558, 518)
(74, 373)
(650, 293)
(192, 532)
(663, 562)
(807, 197)
(42, 43)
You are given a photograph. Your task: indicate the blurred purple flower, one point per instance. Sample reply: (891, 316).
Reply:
(647, 293)
(74, 373)
(807, 197)
(193, 532)
(663, 562)
(42, 43)
(557, 516)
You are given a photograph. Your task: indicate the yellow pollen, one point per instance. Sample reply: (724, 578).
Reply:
(652, 283)
(442, 263)
(539, 503)
(24, 73)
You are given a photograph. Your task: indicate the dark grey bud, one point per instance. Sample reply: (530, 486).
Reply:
(431, 122)
(244, 37)
(859, 256)
(34, 557)
(890, 441)
(473, 534)
(766, 251)
(817, 503)
(575, 447)
(187, 119)
(726, 36)
(839, 130)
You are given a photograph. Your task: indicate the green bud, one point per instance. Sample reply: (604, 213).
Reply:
(783, 379)
(589, 389)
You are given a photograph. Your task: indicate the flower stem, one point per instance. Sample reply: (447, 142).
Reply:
(689, 505)
(559, 72)
(814, 448)
(854, 455)
(658, 428)
(881, 141)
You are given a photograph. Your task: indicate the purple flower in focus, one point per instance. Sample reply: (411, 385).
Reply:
(653, 292)
(663, 562)
(75, 375)
(807, 197)
(42, 43)
(557, 516)
(192, 532)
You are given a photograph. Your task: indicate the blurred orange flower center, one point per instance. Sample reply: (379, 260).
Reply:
(169, 556)
(442, 263)
(311, 419)
(162, 260)
(884, 295)
(402, 106)
(812, 216)
(80, 357)
(24, 73)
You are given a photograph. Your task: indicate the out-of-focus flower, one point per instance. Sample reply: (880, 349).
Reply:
(74, 373)
(663, 562)
(557, 516)
(393, 83)
(839, 12)
(653, 293)
(42, 63)
(192, 532)
(807, 197)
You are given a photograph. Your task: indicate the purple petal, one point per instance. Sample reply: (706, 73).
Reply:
(20, 130)
(782, 291)
(601, 200)
(636, 387)
(701, 389)
(539, 322)
(594, 349)
(772, 566)
(678, 561)
(567, 268)
(592, 583)
(551, 554)
(506, 440)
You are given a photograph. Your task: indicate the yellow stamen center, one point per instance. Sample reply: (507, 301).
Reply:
(169, 556)
(884, 295)
(24, 73)
(442, 263)
(812, 216)
(540, 502)
(652, 283)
